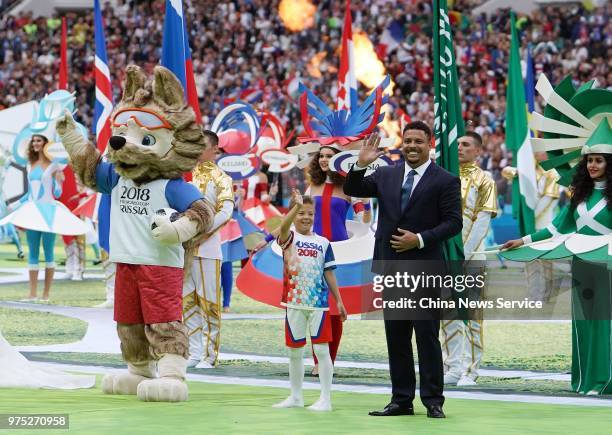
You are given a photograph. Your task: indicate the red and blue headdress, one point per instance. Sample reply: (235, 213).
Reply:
(337, 129)
(341, 126)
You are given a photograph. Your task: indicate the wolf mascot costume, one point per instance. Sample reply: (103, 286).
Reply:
(155, 140)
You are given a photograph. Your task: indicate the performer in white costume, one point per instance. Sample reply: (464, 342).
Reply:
(202, 289)
(462, 340)
(18, 372)
(540, 272)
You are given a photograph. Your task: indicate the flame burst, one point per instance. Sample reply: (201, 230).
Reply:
(297, 15)
(368, 68)
(371, 71)
(315, 62)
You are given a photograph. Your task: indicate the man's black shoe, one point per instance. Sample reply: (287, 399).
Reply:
(435, 411)
(393, 409)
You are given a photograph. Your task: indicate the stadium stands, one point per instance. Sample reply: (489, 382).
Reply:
(242, 46)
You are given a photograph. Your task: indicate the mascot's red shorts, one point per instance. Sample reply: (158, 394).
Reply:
(148, 294)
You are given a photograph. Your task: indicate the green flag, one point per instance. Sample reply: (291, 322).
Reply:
(524, 186)
(448, 123)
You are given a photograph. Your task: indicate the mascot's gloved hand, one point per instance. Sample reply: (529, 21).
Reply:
(72, 139)
(171, 233)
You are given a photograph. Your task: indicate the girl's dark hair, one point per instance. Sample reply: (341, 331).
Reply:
(34, 155)
(318, 177)
(582, 184)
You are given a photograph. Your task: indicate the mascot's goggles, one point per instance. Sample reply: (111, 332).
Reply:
(143, 117)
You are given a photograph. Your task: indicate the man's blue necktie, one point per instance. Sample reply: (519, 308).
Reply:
(407, 188)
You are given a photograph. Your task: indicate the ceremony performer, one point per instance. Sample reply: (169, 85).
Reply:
(202, 289)
(581, 231)
(42, 215)
(419, 208)
(9, 231)
(331, 209)
(308, 279)
(540, 272)
(462, 339)
(589, 214)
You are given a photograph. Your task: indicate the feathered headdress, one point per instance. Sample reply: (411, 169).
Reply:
(337, 128)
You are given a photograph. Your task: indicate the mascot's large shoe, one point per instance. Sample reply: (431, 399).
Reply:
(170, 386)
(127, 383)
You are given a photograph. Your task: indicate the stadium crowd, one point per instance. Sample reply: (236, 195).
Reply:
(241, 47)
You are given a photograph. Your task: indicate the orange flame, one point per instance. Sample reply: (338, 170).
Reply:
(297, 15)
(313, 65)
(368, 68)
(371, 71)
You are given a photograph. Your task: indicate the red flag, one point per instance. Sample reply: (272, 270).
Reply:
(63, 72)
(347, 80)
(69, 189)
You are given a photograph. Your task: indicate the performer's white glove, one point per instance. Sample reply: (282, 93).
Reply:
(171, 233)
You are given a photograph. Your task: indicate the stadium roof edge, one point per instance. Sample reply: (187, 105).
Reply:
(523, 6)
(49, 7)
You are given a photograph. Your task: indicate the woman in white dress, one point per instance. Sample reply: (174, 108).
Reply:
(41, 215)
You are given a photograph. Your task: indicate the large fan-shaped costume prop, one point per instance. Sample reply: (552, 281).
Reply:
(575, 122)
(341, 126)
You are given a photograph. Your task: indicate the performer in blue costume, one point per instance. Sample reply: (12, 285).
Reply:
(41, 215)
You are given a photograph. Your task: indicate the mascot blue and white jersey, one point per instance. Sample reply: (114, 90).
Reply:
(133, 206)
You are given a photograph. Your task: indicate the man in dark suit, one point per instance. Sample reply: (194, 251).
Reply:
(419, 208)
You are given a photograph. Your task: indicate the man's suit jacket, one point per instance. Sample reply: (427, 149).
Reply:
(433, 211)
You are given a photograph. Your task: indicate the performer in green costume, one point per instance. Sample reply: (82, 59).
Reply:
(582, 230)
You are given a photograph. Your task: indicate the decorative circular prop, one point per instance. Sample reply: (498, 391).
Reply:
(279, 160)
(345, 160)
(239, 166)
(55, 151)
